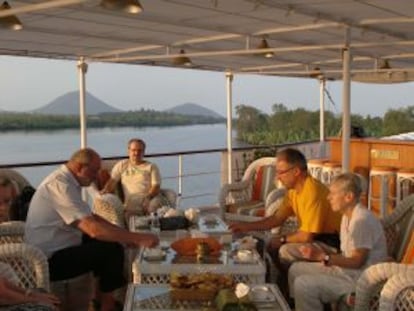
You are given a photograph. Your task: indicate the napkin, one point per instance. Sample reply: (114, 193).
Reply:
(192, 214)
(171, 212)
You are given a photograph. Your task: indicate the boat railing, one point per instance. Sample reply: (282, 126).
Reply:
(196, 181)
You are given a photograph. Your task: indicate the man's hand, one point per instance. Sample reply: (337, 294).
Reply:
(312, 252)
(148, 240)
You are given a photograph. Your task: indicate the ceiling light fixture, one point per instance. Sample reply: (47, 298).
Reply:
(10, 21)
(182, 60)
(384, 64)
(129, 6)
(264, 45)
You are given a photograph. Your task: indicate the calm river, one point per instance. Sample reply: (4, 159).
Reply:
(19, 147)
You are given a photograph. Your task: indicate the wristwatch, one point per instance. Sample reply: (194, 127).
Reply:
(283, 239)
(326, 259)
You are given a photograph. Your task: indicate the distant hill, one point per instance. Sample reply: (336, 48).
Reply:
(191, 109)
(68, 104)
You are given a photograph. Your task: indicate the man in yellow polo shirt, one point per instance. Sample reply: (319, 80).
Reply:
(306, 198)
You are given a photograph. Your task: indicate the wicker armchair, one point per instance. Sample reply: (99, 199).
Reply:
(28, 262)
(11, 232)
(398, 227)
(110, 207)
(398, 292)
(253, 193)
(386, 286)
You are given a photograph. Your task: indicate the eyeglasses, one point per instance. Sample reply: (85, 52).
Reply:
(285, 171)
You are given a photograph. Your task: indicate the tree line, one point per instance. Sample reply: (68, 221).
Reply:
(31, 121)
(286, 126)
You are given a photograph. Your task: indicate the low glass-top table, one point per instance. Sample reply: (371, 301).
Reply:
(142, 297)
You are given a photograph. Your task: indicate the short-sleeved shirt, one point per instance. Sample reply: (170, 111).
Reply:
(363, 230)
(55, 206)
(136, 179)
(311, 207)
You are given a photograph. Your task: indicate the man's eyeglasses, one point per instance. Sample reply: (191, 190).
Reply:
(281, 172)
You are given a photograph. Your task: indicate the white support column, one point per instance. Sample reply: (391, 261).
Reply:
(322, 151)
(346, 104)
(229, 81)
(82, 69)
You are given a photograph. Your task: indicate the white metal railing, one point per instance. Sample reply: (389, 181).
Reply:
(199, 185)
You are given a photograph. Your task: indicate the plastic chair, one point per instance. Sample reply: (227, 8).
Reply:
(405, 183)
(254, 192)
(329, 171)
(381, 189)
(315, 168)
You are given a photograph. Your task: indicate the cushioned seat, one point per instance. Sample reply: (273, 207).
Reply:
(252, 194)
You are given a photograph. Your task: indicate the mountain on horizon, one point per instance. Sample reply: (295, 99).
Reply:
(68, 104)
(191, 109)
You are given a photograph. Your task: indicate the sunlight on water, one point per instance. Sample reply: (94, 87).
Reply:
(18, 147)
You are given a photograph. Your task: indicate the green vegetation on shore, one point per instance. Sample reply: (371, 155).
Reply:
(141, 118)
(285, 126)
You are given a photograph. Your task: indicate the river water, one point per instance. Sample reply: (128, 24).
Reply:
(19, 147)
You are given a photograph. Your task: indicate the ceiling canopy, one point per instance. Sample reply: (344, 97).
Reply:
(305, 38)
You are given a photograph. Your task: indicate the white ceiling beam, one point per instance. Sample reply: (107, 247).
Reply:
(241, 52)
(39, 7)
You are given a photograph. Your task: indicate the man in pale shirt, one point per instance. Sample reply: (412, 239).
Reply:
(75, 240)
(333, 275)
(140, 180)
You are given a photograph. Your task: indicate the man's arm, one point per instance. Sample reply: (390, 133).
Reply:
(260, 225)
(100, 229)
(355, 261)
(268, 223)
(109, 186)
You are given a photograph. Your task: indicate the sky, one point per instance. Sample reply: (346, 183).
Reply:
(28, 83)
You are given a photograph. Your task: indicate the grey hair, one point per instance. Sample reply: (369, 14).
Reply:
(84, 156)
(350, 182)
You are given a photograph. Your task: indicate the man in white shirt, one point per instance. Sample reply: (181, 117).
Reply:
(76, 241)
(362, 244)
(140, 180)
